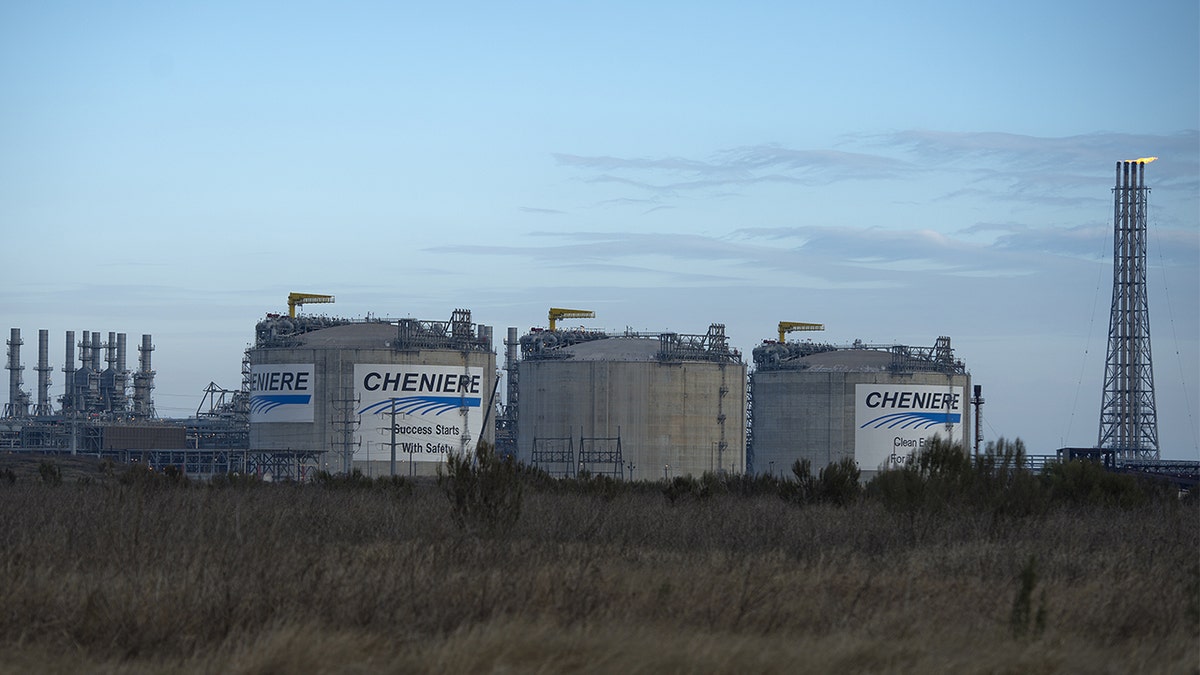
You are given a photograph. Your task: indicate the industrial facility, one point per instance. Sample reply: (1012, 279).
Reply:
(103, 410)
(399, 396)
(109, 413)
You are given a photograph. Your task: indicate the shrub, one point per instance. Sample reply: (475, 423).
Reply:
(230, 480)
(753, 485)
(838, 482)
(943, 475)
(681, 486)
(485, 491)
(339, 481)
(803, 490)
(1085, 483)
(50, 472)
(600, 485)
(1022, 619)
(140, 475)
(397, 485)
(174, 475)
(900, 490)
(1003, 483)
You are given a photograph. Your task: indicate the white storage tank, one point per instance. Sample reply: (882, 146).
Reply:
(875, 404)
(633, 406)
(340, 387)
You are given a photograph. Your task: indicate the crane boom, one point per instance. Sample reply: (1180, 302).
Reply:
(296, 299)
(786, 327)
(557, 313)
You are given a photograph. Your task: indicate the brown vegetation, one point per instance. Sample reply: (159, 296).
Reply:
(145, 574)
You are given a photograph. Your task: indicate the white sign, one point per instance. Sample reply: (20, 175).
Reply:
(435, 409)
(893, 421)
(281, 392)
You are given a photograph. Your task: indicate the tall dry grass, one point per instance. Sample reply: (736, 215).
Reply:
(146, 577)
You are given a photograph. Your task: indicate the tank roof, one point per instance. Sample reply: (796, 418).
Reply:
(599, 346)
(361, 335)
(859, 357)
(847, 360)
(459, 333)
(615, 349)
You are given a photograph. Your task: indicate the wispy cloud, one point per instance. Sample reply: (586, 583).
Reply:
(735, 168)
(1037, 171)
(1079, 153)
(809, 257)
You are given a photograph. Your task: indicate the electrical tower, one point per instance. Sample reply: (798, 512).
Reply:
(1128, 420)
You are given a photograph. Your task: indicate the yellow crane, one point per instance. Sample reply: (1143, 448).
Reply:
(296, 299)
(786, 327)
(557, 313)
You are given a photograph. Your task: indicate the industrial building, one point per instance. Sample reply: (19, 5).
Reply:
(99, 412)
(397, 396)
(875, 404)
(640, 406)
(386, 397)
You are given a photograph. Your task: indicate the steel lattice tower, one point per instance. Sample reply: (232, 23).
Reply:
(1128, 420)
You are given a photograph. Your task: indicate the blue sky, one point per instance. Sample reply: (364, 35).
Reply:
(895, 171)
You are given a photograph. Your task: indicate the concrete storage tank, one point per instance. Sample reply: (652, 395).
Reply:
(335, 386)
(873, 403)
(630, 405)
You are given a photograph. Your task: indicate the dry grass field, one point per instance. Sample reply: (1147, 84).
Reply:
(132, 576)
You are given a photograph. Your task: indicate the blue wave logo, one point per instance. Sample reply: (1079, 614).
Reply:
(912, 420)
(263, 403)
(421, 405)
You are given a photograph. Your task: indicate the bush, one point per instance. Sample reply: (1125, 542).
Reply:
(599, 485)
(485, 491)
(943, 475)
(754, 485)
(1085, 483)
(141, 475)
(1023, 620)
(50, 472)
(838, 483)
(681, 486)
(174, 475)
(231, 480)
(397, 485)
(803, 490)
(343, 481)
(899, 490)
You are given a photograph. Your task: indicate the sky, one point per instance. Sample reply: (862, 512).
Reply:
(895, 171)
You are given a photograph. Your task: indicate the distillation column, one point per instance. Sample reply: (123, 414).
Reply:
(143, 381)
(95, 402)
(68, 398)
(43, 372)
(80, 393)
(121, 377)
(18, 401)
(108, 378)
